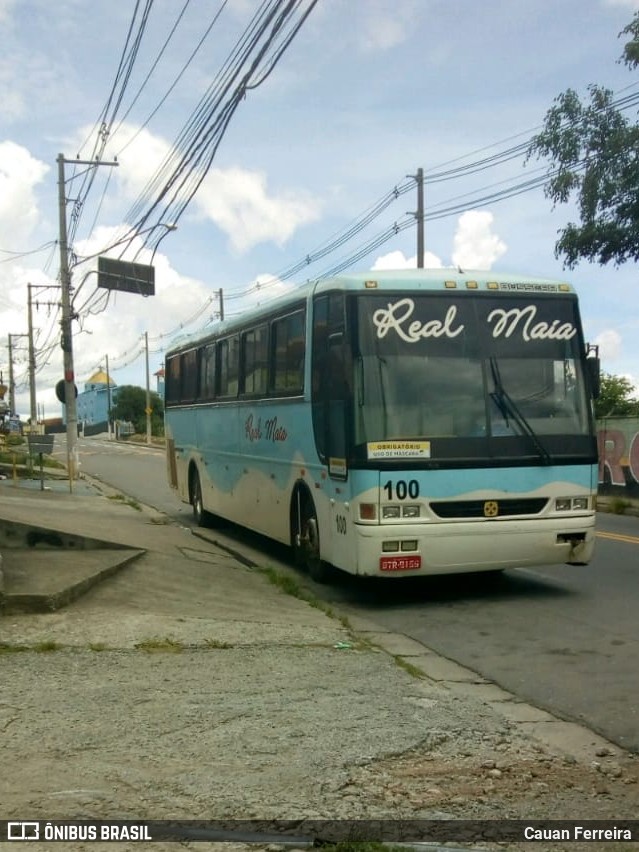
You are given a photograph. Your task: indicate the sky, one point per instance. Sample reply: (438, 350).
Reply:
(367, 93)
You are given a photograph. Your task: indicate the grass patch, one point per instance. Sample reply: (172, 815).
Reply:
(137, 438)
(128, 501)
(619, 506)
(98, 646)
(284, 583)
(165, 645)
(7, 648)
(46, 646)
(217, 643)
(361, 846)
(47, 461)
(412, 670)
(290, 586)
(21, 458)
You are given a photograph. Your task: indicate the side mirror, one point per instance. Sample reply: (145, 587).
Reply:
(594, 375)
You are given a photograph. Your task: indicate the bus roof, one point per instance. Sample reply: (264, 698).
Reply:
(447, 278)
(424, 280)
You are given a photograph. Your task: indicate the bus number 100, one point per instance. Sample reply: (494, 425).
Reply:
(403, 489)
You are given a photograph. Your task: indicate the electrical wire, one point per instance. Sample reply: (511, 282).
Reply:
(17, 255)
(183, 70)
(198, 145)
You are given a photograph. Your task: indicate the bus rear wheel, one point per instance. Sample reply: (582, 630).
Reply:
(306, 542)
(195, 489)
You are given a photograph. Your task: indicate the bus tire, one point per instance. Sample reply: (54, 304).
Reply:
(195, 494)
(306, 542)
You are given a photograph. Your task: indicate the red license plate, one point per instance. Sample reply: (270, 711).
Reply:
(400, 563)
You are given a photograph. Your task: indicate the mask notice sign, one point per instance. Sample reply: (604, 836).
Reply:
(398, 450)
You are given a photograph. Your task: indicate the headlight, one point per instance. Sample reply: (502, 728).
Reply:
(410, 511)
(576, 504)
(390, 511)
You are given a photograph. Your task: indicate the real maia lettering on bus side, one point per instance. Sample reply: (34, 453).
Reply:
(272, 430)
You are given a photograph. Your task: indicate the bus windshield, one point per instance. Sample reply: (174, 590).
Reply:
(477, 377)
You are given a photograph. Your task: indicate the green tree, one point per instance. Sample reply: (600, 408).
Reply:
(593, 153)
(130, 405)
(617, 398)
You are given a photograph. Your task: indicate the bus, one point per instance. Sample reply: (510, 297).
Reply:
(394, 424)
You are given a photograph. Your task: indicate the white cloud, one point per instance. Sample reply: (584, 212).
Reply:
(397, 260)
(609, 343)
(384, 24)
(110, 324)
(20, 173)
(263, 290)
(180, 302)
(634, 381)
(236, 200)
(474, 245)
(6, 7)
(625, 4)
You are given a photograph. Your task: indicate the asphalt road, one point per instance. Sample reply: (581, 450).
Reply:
(565, 639)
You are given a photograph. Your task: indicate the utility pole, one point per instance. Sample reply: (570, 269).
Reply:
(32, 365)
(108, 399)
(67, 319)
(67, 332)
(419, 216)
(148, 390)
(12, 385)
(221, 297)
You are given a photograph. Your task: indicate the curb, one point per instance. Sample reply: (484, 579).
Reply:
(18, 603)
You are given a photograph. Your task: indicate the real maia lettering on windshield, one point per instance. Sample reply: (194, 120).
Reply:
(505, 322)
(396, 315)
(523, 320)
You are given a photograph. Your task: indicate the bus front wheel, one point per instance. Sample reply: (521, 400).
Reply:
(306, 543)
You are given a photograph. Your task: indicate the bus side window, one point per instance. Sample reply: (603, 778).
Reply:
(172, 391)
(288, 354)
(255, 361)
(188, 375)
(330, 385)
(339, 392)
(228, 366)
(207, 372)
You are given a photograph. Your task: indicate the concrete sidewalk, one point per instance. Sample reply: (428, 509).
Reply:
(58, 545)
(50, 552)
(182, 682)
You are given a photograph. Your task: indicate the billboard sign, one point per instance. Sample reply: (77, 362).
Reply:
(126, 277)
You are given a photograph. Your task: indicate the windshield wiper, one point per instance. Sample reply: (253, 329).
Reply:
(505, 403)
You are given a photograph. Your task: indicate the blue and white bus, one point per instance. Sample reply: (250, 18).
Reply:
(395, 423)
